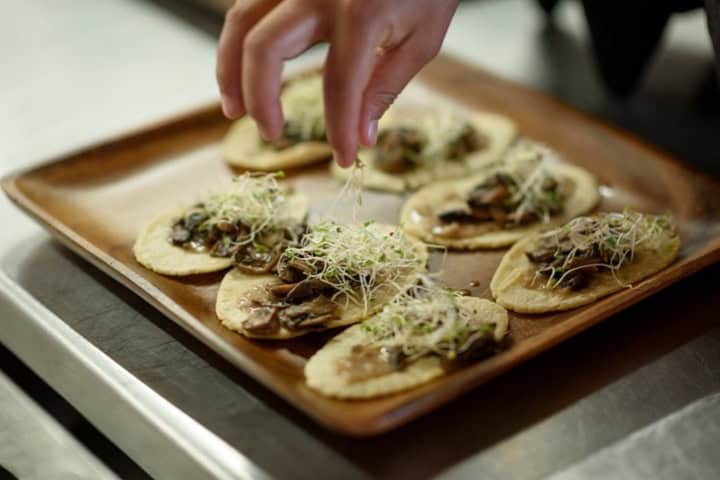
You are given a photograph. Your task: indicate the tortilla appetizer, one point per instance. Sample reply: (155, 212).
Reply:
(303, 139)
(248, 226)
(337, 275)
(531, 191)
(417, 148)
(414, 339)
(584, 260)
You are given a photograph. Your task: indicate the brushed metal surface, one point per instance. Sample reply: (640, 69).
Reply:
(33, 446)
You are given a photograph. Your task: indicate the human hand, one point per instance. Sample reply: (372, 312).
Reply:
(376, 47)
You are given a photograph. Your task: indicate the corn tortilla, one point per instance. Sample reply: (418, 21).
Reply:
(512, 285)
(323, 375)
(584, 197)
(500, 131)
(235, 285)
(153, 250)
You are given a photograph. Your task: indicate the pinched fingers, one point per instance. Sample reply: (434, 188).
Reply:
(348, 69)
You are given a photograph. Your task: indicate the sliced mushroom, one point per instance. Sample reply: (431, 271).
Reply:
(317, 321)
(541, 255)
(180, 235)
(256, 260)
(293, 271)
(394, 356)
(470, 140)
(281, 290)
(262, 320)
(499, 215)
(222, 249)
(398, 149)
(195, 219)
(226, 227)
(306, 289)
(483, 346)
(294, 315)
(455, 215)
(576, 281)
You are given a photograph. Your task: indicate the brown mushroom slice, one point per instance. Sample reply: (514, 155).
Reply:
(262, 320)
(281, 290)
(293, 271)
(317, 321)
(254, 261)
(470, 140)
(294, 315)
(180, 235)
(397, 149)
(307, 289)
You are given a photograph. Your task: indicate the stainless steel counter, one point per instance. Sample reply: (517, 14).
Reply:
(76, 72)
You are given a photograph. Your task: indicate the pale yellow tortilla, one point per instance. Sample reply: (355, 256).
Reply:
(154, 251)
(584, 197)
(243, 148)
(235, 285)
(512, 286)
(323, 375)
(500, 131)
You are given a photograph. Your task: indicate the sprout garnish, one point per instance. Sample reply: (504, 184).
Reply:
(255, 209)
(360, 261)
(426, 320)
(602, 241)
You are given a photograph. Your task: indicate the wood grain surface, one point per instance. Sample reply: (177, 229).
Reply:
(96, 200)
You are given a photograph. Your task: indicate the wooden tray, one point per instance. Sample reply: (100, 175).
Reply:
(95, 201)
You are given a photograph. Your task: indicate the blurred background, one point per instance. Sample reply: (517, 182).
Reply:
(657, 82)
(76, 72)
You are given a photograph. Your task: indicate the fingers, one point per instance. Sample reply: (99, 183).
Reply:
(348, 69)
(284, 33)
(393, 72)
(239, 20)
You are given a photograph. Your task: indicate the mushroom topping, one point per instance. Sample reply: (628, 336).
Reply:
(307, 288)
(425, 321)
(469, 140)
(399, 149)
(569, 256)
(292, 271)
(251, 224)
(313, 312)
(262, 320)
(257, 258)
(505, 200)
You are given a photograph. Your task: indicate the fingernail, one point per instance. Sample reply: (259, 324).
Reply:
(264, 134)
(372, 132)
(231, 106)
(340, 160)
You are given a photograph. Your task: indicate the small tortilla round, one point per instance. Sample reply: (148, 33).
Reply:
(153, 250)
(243, 147)
(510, 286)
(500, 131)
(322, 373)
(583, 199)
(235, 285)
